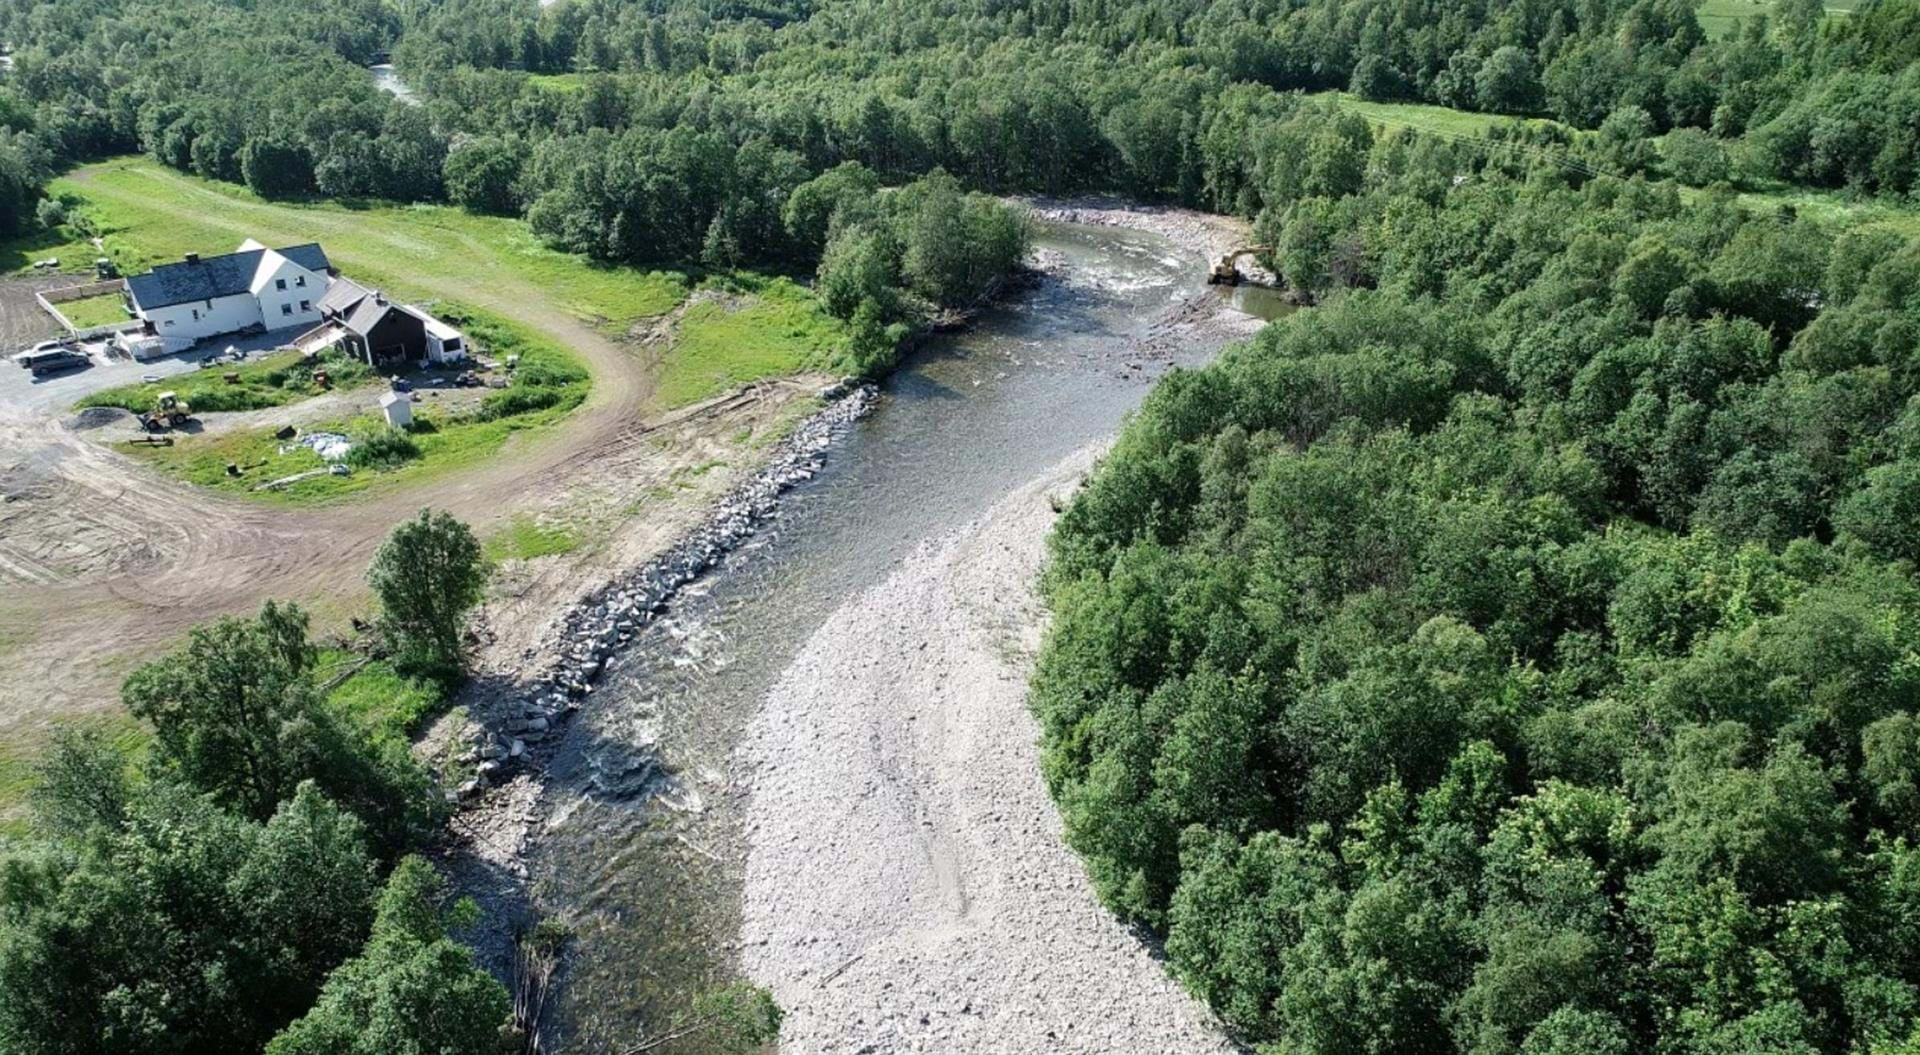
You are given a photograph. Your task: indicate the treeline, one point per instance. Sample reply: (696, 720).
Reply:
(253, 883)
(1517, 651)
(1152, 98)
(1794, 95)
(274, 92)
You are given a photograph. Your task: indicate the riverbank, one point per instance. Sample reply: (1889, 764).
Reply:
(907, 886)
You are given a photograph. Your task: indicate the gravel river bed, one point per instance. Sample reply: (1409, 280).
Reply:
(750, 789)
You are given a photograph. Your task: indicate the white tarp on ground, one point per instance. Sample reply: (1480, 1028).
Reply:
(330, 446)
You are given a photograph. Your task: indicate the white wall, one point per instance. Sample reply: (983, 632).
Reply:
(205, 318)
(280, 308)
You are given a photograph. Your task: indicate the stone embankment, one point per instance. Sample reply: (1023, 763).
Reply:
(591, 631)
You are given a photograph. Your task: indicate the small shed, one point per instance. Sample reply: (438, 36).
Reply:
(398, 409)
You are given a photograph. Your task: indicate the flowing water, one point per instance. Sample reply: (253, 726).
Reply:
(387, 79)
(643, 847)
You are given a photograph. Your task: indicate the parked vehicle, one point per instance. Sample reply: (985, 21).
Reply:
(52, 362)
(26, 358)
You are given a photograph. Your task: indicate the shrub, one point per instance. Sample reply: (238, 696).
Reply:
(384, 448)
(50, 213)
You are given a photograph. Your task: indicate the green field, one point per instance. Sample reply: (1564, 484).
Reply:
(1718, 16)
(559, 82)
(149, 214)
(1439, 120)
(88, 312)
(753, 329)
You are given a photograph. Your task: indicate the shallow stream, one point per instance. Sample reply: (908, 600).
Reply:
(643, 847)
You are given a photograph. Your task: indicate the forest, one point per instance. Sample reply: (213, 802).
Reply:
(1513, 652)
(1516, 651)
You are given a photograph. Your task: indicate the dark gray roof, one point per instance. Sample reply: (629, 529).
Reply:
(358, 308)
(214, 276)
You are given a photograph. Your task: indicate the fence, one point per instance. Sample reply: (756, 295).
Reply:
(49, 299)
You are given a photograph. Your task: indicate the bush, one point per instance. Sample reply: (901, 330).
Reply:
(1696, 158)
(518, 399)
(384, 448)
(51, 213)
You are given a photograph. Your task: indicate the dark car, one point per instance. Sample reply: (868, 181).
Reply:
(52, 362)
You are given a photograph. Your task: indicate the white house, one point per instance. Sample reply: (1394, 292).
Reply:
(253, 286)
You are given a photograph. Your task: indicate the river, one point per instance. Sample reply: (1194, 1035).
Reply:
(641, 850)
(387, 79)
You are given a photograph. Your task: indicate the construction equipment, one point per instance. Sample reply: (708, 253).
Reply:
(168, 413)
(1226, 272)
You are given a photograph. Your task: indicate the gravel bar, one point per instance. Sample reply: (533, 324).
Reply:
(907, 887)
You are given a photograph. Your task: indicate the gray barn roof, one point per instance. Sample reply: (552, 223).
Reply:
(358, 308)
(183, 282)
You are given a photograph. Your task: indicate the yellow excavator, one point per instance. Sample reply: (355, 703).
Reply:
(1226, 272)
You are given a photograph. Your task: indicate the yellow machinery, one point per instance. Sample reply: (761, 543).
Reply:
(1227, 272)
(168, 412)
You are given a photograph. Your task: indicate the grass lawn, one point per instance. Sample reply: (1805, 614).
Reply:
(88, 312)
(772, 327)
(559, 82)
(444, 443)
(150, 214)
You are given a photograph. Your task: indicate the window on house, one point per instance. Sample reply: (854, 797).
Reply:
(286, 309)
(279, 283)
(300, 280)
(306, 305)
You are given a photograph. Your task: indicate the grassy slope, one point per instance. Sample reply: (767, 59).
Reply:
(525, 537)
(376, 698)
(775, 328)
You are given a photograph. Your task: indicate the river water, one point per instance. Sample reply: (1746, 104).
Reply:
(387, 79)
(642, 848)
